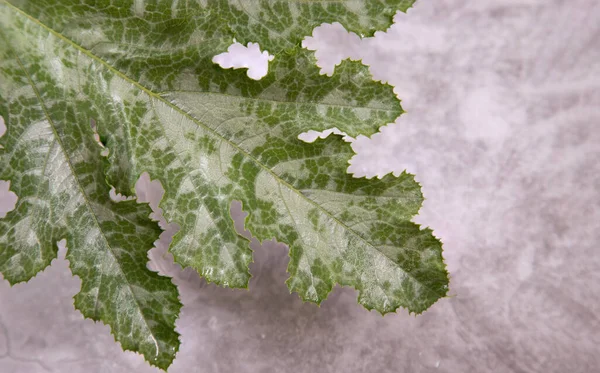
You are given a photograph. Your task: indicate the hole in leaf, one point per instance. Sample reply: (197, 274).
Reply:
(312, 136)
(62, 249)
(250, 57)
(151, 192)
(332, 44)
(99, 139)
(2, 128)
(8, 198)
(118, 197)
(239, 219)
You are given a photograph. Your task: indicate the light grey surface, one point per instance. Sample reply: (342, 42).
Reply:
(503, 132)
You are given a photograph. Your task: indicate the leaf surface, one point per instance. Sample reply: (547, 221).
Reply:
(55, 167)
(143, 72)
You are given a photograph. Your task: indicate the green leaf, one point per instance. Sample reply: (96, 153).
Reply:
(54, 165)
(278, 25)
(143, 72)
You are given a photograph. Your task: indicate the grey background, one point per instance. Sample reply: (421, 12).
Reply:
(503, 132)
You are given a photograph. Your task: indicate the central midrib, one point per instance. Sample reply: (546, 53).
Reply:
(213, 132)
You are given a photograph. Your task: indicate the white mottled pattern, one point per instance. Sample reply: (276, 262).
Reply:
(502, 132)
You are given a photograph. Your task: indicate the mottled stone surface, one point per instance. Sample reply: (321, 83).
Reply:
(502, 131)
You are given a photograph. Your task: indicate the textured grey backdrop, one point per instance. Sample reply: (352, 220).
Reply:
(503, 132)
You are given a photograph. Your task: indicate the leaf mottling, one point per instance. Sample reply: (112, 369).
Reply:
(143, 71)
